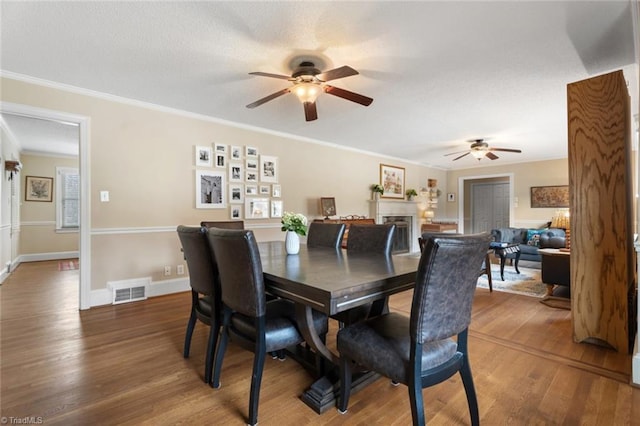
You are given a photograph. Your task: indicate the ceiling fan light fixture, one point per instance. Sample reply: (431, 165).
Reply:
(307, 92)
(478, 153)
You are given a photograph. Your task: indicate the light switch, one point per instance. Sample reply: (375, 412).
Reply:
(104, 196)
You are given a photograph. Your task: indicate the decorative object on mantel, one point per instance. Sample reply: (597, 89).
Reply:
(12, 167)
(376, 191)
(411, 193)
(328, 206)
(294, 224)
(392, 181)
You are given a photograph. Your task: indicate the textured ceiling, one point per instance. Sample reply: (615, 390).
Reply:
(440, 73)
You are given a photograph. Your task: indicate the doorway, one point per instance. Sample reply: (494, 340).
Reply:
(82, 122)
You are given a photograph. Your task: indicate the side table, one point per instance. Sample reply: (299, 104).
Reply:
(501, 250)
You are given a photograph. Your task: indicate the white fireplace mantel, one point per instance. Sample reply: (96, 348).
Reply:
(381, 208)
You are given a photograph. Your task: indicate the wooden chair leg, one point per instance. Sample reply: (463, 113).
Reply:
(211, 348)
(472, 400)
(187, 338)
(222, 347)
(417, 404)
(256, 380)
(345, 384)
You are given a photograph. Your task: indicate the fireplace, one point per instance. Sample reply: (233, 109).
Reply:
(402, 236)
(405, 215)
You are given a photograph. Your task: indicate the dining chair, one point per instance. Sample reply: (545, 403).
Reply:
(205, 290)
(419, 351)
(368, 239)
(325, 234)
(249, 319)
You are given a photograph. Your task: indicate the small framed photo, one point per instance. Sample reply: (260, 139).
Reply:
(236, 152)
(236, 172)
(39, 189)
(328, 206)
(252, 176)
(236, 212)
(276, 208)
(220, 148)
(236, 193)
(250, 151)
(203, 156)
(256, 208)
(251, 190)
(276, 191)
(451, 197)
(392, 180)
(265, 190)
(251, 164)
(221, 160)
(210, 190)
(268, 169)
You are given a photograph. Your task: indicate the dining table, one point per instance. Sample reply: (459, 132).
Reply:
(332, 281)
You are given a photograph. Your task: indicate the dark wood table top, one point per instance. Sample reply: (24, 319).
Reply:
(333, 281)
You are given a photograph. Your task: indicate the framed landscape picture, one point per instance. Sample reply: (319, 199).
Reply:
(550, 196)
(210, 190)
(392, 180)
(38, 189)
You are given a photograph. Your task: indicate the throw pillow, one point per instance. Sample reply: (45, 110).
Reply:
(533, 237)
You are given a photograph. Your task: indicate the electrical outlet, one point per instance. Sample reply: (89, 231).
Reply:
(167, 271)
(180, 269)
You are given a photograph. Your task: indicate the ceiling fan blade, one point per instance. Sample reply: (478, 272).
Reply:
(268, 98)
(463, 155)
(506, 150)
(490, 155)
(350, 96)
(336, 73)
(454, 153)
(310, 111)
(266, 74)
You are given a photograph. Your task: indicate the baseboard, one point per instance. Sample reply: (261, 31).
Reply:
(37, 257)
(104, 296)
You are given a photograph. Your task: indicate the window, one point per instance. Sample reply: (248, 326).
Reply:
(67, 199)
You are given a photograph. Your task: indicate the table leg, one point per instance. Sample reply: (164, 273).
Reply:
(517, 260)
(503, 258)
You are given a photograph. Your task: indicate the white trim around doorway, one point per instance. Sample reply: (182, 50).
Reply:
(461, 198)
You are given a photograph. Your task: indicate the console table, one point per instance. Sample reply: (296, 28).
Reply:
(439, 227)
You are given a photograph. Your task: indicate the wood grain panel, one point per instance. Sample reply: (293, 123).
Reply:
(600, 191)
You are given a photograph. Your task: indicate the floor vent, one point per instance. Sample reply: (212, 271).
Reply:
(129, 290)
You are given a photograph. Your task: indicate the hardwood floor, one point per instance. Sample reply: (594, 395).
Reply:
(123, 365)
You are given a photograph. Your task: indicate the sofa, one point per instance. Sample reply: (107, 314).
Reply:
(530, 240)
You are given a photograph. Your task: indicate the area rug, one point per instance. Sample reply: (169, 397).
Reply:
(68, 265)
(557, 302)
(527, 282)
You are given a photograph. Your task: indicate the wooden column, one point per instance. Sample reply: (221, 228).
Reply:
(601, 210)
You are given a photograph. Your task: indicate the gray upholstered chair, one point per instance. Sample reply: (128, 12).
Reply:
(250, 320)
(325, 234)
(205, 290)
(419, 351)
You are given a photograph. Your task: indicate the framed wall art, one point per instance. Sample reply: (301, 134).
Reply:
(328, 206)
(251, 151)
(268, 169)
(236, 212)
(550, 196)
(251, 164)
(276, 191)
(236, 152)
(276, 208)
(38, 189)
(265, 190)
(236, 172)
(236, 193)
(221, 160)
(251, 190)
(392, 180)
(210, 190)
(203, 156)
(220, 148)
(256, 208)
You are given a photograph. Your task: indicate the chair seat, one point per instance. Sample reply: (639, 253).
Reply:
(204, 307)
(389, 335)
(280, 325)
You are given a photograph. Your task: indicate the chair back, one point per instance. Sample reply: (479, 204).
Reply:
(422, 240)
(202, 269)
(225, 224)
(445, 285)
(371, 238)
(325, 234)
(241, 280)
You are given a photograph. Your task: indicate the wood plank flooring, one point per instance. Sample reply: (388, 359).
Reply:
(123, 365)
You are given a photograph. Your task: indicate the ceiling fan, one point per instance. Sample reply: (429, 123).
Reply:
(479, 149)
(309, 83)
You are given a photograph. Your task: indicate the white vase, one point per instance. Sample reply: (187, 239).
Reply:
(292, 242)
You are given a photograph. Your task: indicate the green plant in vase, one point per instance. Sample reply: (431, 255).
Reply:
(410, 193)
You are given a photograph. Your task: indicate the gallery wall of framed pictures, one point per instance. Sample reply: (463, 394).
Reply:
(239, 179)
